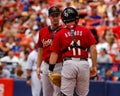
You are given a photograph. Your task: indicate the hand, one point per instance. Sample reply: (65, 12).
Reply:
(93, 71)
(50, 72)
(28, 82)
(38, 73)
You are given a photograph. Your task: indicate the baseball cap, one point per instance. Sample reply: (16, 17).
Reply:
(35, 27)
(53, 10)
(38, 19)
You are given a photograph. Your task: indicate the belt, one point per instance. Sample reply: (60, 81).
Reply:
(35, 70)
(70, 58)
(47, 62)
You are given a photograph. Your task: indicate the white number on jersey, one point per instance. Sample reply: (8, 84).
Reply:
(74, 50)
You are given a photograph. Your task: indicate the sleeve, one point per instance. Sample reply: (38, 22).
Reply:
(29, 62)
(39, 42)
(3, 59)
(55, 47)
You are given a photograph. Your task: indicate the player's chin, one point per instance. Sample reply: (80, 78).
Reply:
(56, 23)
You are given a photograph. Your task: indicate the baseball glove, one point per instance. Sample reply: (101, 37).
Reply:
(55, 78)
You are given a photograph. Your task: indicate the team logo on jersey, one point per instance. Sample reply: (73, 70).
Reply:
(46, 42)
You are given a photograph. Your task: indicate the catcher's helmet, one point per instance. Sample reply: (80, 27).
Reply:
(69, 14)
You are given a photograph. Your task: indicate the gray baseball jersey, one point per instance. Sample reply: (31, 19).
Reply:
(36, 84)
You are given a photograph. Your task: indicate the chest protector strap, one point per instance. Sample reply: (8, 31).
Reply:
(74, 45)
(54, 31)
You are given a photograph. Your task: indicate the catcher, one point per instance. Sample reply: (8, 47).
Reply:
(72, 41)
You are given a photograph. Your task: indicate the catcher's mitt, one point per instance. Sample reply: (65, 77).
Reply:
(55, 78)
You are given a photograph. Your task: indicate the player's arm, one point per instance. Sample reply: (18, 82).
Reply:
(93, 53)
(39, 61)
(29, 69)
(53, 60)
(28, 72)
(55, 48)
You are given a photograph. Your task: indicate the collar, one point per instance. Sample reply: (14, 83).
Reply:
(50, 29)
(70, 26)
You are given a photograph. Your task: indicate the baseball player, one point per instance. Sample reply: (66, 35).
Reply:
(32, 80)
(46, 36)
(73, 41)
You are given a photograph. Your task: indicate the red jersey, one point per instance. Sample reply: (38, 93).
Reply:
(45, 41)
(64, 39)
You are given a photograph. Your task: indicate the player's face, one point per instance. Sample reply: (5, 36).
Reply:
(55, 19)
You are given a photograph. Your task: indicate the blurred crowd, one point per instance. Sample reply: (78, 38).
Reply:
(21, 20)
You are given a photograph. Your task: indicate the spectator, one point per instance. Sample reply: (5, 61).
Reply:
(36, 6)
(112, 47)
(38, 22)
(10, 42)
(10, 58)
(7, 29)
(101, 44)
(3, 48)
(1, 18)
(116, 30)
(112, 11)
(34, 35)
(4, 73)
(20, 74)
(109, 75)
(94, 17)
(102, 7)
(17, 47)
(103, 57)
(17, 72)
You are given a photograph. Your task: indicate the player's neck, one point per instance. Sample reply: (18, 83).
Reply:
(54, 27)
(70, 23)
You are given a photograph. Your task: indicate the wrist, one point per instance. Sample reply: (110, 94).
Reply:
(28, 77)
(51, 67)
(38, 68)
(94, 66)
